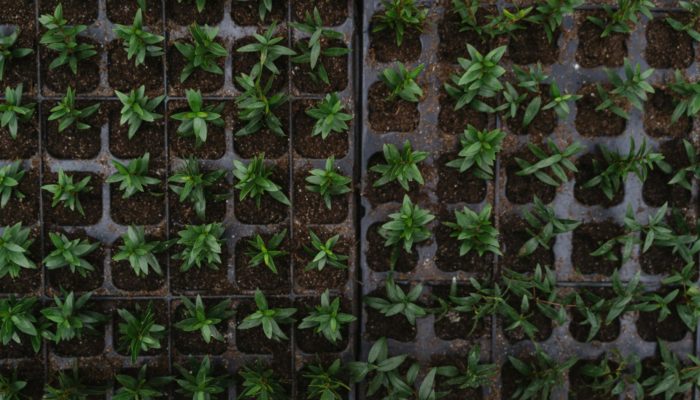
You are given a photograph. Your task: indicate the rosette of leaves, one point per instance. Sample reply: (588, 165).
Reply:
(70, 253)
(474, 231)
(192, 185)
(138, 108)
(202, 53)
(401, 165)
(199, 380)
(269, 319)
(328, 182)
(544, 225)
(15, 242)
(193, 122)
(254, 181)
(17, 321)
(322, 253)
(382, 370)
(327, 319)
(539, 377)
(687, 97)
(478, 80)
(13, 112)
(204, 319)
(10, 177)
(402, 82)
(67, 114)
(329, 116)
(70, 318)
(479, 148)
(138, 42)
(256, 106)
(630, 89)
(201, 246)
(398, 17)
(10, 51)
(261, 252)
(326, 383)
(63, 40)
(139, 252)
(406, 227)
(475, 374)
(139, 331)
(141, 386)
(398, 302)
(269, 50)
(132, 178)
(260, 382)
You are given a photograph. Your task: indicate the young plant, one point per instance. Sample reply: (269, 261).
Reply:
(256, 107)
(139, 252)
(202, 53)
(71, 386)
(329, 116)
(194, 121)
(539, 378)
(67, 192)
(10, 177)
(613, 171)
(70, 318)
(503, 23)
(407, 227)
(139, 43)
(402, 82)
(555, 160)
(475, 374)
(268, 318)
(12, 111)
(11, 386)
(401, 166)
(560, 101)
(63, 39)
(14, 249)
(9, 50)
(327, 319)
(689, 27)
(265, 253)
(199, 3)
(323, 254)
(398, 302)
(192, 185)
(614, 374)
(200, 382)
(474, 231)
(384, 370)
(264, 7)
(325, 383)
(254, 181)
(550, 14)
(269, 50)
(398, 17)
(67, 114)
(479, 148)
(479, 79)
(17, 321)
(328, 183)
(70, 253)
(199, 318)
(624, 17)
(632, 89)
(201, 246)
(138, 108)
(688, 305)
(312, 49)
(140, 387)
(544, 226)
(139, 332)
(687, 97)
(132, 178)
(672, 378)
(691, 171)
(260, 383)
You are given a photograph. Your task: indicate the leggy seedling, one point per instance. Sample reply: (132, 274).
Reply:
(70, 318)
(138, 108)
(139, 331)
(202, 53)
(201, 246)
(401, 166)
(544, 226)
(132, 178)
(203, 319)
(10, 177)
(268, 318)
(139, 43)
(400, 16)
(632, 89)
(402, 82)
(70, 253)
(17, 320)
(328, 182)
(9, 50)
(265, 253)
(15, 242)
(398, 302)
(479, 150)
(479, 79)
(62, 39)
(254, 181)
(327, 319)
(192, 185)
(475, 231)
(322, 253)
(67, 114)
(624, 17)
(13, 112)
(555, 160)
(193, 122)
(329, 116)
(139, 252)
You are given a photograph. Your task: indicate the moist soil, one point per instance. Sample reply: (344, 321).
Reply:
(335, 144)
(392, 191)
(185, 13)
(22, 70)
(121, 12)
(447, 257)
(205, 278)
(121, 71)
(593, 50)
(580, 385)
(523, 189)
(395, 327)
(656, 190)
(592, 123)
(74, 143)
(246, 12)
(593, 196)
(150, 138)
(660, 261)
(455, 186)
(454, 122)
(186, 146)
(329, 276)
(379, 256)
(333, 12)
(18, 12)
(587, 238)
(27, 143)
(254, 341)
(542, 125)
(452, 41)
(201, 80)
(671, 329)
(183, 213)
(309, 207)
(455, 325)
(124, 278)
(580, 332)
(667, 47)
(25, 210)
(243, 63)
(336, 68)
(29, 373)
(248, 212)
(264, 141)
(250, 277)
(311, 342)
(514, 238)
(75, 11)
(530, 45)
(542, 323)
(658, 111)
(58, 80)
(90, 200)
(63, 278)
(390, 115)
(192, 342)
(383, 47)
(143, 208)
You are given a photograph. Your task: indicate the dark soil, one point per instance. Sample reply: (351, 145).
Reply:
(149, 138)
(392, 191)
(311, 342)
(580, 385)
(660, 261)
(307, 204)
(183, 213)
(336, 68)
(523, 189)
(656, 190)
(542, 125)
(303, 383)
(27, 143)
(336, 144)
(246, 12)
(250, 277)
(580, 332)
(460, 362)
(390, 115)
(455, 325)
(586, 172)
(123, 276)
(88, 345)
(667, 47)
(248, 212)
(383, 47)
(264, 141)
(29, 280)
(456, 121)
(137, 308)
(91, 202)
(192, 342)
(530, 45)
(329, 276)
(253, 341)
(395, 327)
(59, 79)
(18, 12)
(186, 146)
(542, 323)
(122, 74)
(513, 238)
(63, 278)
(206, 82)
(592, 123)
(448, 259)
(379, 256)
(22, 70)
(122, 12)
(25, 210)
(456, 187)
(145, 208)
(653, 366)
(453, 42)
(333, 12)
(657, 116)
(27, 372)
(586, 239)
(75, 11)
(200, 279)
(185, 12)
(243, 63)
(18, 350)
(594, 51)
(671, 329)
(73, 143)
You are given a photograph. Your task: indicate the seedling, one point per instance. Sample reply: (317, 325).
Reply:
(632, 89)
(139, 332)
(479, 148)
(474, 231)
(194, 121)
(264, 7)
(138, 108)
(323, 254)
(479, 79)
(199, 318)
(613, 171)
(67, 114)
(199, 3)
(202, 53)
(327, 319)
(71, 318)
(483, 301)
(269, 50)
(467, 11)
(256, 107)
(402, 82)
(268, 318)
(139, 43)
(62, 39)
(201, 246)
(325, 383)
(312, 49)
(10, 177)
(328, 183)
(614, 374)
(687, 96)
(692, 170)
(550, 14)
(260, 383)
(560, 101)
(384, 370)
(475, 374)
(132, 178)
(192, 185)
(12, 111)
(71, 385)
(624, 17)
(406, 227)
(200, 381)
(501, 24)
(398, 302)
(254, 181)
(139, 252)
(398, 17)
(70, 253)
(14, 249)
(672, 377)
(661, 303)
(555, 160)
(329, 116)
(265, 253)
(11, 386)
(9, 50)
(688, 305)
(17, 322)
(401, 166)
(539, 378)
(544, 226)
(426, 389)
(140, 387)
(689, 27)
